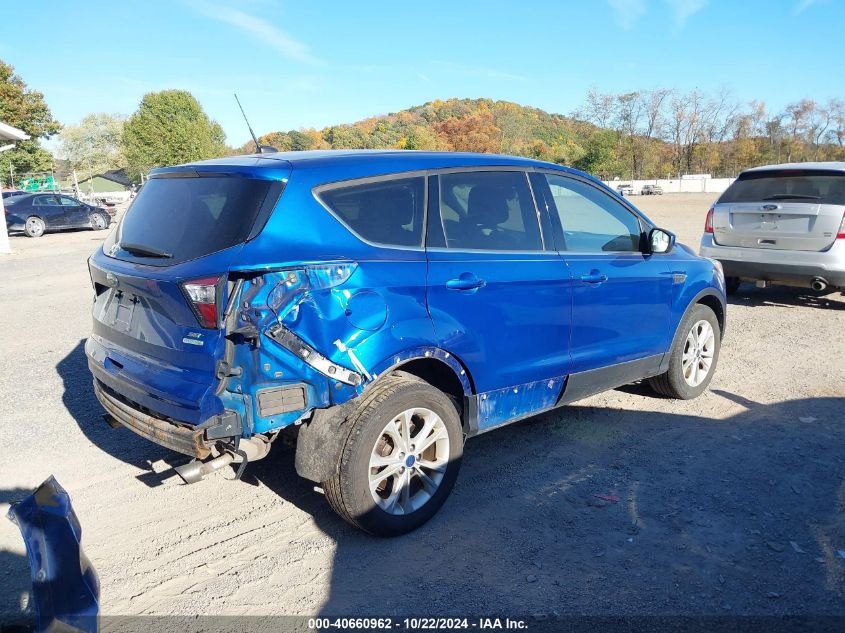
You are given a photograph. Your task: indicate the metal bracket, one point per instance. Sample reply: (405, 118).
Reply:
(312, 357)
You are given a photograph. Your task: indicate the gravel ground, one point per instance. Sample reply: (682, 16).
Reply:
(728, 504)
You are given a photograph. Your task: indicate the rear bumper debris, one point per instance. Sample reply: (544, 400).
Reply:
(182, 439)
(65, 587)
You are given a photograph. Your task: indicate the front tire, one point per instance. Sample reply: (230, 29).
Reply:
(34, 226)
(693, 356)
(400, 459)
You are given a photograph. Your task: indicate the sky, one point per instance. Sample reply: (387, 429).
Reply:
(313, 64)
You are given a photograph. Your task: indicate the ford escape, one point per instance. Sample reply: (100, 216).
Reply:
(384, 306)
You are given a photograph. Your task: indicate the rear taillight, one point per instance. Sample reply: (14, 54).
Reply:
(708, 222)
(840, 234)
(203, 296)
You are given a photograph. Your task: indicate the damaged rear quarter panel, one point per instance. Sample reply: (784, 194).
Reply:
(378, 313)
(360, 324)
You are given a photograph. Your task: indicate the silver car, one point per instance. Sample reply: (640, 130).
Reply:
(781, 224)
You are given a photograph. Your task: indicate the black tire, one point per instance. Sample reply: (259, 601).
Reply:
(99, 221)
(732, 285)
(348, 491)
(34, 226)
(672, 383)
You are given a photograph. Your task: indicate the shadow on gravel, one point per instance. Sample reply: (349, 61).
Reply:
(787, 297)
(601, 511)
(14, 569)
(16, 585)
(587, 510)
(80, 401)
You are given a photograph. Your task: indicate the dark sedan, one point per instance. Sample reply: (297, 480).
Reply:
(36, 213)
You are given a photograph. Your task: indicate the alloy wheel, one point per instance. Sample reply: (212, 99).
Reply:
(408, 461)
(698, 353)
(34, 226)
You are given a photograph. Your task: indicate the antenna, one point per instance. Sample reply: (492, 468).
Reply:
(260, 149)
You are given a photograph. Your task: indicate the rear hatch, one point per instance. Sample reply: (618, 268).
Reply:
(781, 209)
(162, 282)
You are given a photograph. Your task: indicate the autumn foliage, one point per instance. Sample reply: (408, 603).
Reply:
(644, 134)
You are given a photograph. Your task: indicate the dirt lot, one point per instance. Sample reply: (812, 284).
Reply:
(729, 504)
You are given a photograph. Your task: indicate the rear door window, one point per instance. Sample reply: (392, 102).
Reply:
(45, 201)
(174, 220)
(389, 212)
(489, 210)
(812, 186)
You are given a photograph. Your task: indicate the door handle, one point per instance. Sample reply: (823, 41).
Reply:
(467, 281)
(594, 277)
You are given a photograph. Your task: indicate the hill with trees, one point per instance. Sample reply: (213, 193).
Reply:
(644, 134)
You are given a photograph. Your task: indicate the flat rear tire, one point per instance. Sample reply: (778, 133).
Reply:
(400, 459)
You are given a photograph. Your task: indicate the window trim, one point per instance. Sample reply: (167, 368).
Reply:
(549, 242)
(405, 175)
(645, 226)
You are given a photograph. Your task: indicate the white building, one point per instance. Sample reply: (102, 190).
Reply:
(8, 137)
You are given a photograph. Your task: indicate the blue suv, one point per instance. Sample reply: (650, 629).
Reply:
(384, 306)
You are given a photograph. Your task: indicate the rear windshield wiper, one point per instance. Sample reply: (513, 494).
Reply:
(145, 251)
(791, 196)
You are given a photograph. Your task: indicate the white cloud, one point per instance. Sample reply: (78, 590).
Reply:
(481, 71)
(682, 10)
(627, 11)
(261, 29)
(802, 5)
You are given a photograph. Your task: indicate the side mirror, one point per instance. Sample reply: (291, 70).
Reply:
(660, 241)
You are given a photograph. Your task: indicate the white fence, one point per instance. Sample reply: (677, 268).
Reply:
(676, 185)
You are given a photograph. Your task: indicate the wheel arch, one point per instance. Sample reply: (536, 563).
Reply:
(708, 297)
(431, 362)
(321, 439)
(715, 303)
(40, 216)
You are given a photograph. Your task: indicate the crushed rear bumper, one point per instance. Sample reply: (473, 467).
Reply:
(187, 439)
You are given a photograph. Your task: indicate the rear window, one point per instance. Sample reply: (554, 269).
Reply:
(174, 220)
(386, 212)
(811, 186)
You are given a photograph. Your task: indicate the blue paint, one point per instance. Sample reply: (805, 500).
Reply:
(65, 587)
(510, 326)
(502, 406)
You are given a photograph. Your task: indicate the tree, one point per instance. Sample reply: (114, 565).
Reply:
(26, 110)
(347, 137)
(474, 133)
(600, 108)
(169, 127)
(600, 157)
(630, 108)
(95, 144)
(686, 122)
(837, 109)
